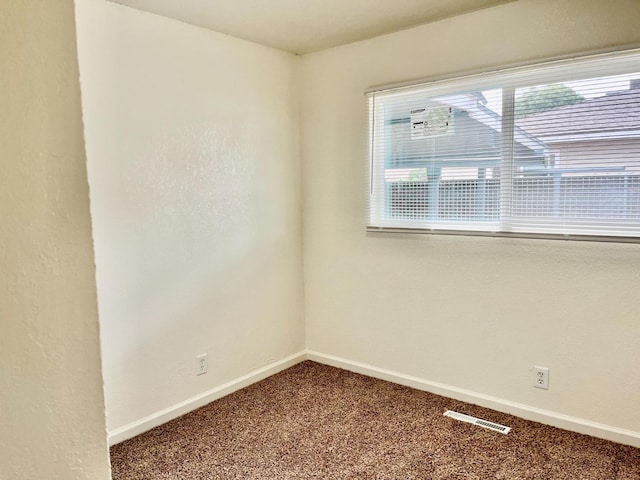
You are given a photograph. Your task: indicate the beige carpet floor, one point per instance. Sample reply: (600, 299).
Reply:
(317, 422)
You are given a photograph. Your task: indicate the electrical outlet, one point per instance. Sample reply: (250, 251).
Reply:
(541, 377)
(202, 365)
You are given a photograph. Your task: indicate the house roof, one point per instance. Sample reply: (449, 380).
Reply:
(616, 115)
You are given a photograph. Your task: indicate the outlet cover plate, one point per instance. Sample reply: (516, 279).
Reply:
(541, 377)
(202, 364)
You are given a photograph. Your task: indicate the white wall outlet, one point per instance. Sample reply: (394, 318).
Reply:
(541, 377)
(202, 365)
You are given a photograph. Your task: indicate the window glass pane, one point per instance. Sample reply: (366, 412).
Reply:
(442, 157)
(590, 130)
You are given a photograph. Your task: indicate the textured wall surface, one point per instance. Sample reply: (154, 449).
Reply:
(52, 423)
(473, 313)
(194, 172)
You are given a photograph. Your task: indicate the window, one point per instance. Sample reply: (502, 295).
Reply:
(550, 150)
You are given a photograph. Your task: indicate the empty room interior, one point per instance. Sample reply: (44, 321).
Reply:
(245, 201)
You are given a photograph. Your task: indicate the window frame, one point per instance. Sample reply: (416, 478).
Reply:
(524, 75)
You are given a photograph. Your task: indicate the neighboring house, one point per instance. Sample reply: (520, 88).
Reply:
(600, 133)
(593, 149)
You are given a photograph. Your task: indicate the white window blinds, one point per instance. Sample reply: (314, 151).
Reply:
(547, 150)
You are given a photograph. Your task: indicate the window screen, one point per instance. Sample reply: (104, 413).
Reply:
(549, 150)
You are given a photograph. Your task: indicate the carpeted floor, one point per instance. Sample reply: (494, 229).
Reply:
(315, 421)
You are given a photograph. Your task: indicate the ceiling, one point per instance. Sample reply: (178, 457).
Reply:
(305, 26)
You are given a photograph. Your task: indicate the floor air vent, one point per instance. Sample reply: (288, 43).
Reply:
(477, 421)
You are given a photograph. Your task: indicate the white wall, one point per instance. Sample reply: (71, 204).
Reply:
(471, 313)
(195, 183)
(52, 421)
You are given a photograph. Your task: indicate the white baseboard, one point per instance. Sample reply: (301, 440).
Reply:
(163, 416)
(527, 412)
